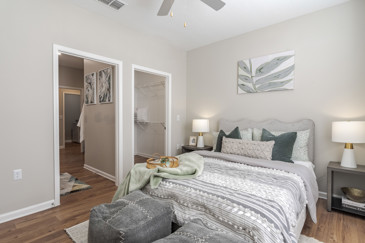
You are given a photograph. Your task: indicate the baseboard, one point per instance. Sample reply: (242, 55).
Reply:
(62, 147)
(145, 155)
(322, 195)
(68, 141)
(99, 172)
(26, 211)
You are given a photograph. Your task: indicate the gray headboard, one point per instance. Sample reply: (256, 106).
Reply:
(274, 125)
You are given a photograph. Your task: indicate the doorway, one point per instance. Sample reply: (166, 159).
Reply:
(117, 106)
(151, 96)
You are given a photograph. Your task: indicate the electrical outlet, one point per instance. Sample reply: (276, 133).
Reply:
(17, 174)
(177, 146)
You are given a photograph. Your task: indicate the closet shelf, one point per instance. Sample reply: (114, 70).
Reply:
(142, 123)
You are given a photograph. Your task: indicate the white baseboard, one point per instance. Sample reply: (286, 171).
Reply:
(322, 195)
(145, 155)
(26, 211)
(99, 172)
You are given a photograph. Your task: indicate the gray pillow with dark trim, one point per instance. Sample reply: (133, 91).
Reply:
(235, 133)
(283, 147)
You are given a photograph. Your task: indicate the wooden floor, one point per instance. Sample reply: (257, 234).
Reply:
(49, 225)
(139, 159)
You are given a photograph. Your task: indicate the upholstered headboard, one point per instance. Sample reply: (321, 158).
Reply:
(274, 125)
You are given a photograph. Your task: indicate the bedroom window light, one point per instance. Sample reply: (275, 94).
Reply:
(348, 132)
(200, 126)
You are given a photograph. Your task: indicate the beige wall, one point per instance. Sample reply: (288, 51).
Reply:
(329, 77)
(100, 127)
(30, 28)
(71, 77)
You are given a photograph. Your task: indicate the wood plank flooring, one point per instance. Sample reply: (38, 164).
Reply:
(139, 159)
(49, 225)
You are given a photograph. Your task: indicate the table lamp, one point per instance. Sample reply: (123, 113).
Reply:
(200, 126)
(348, 132)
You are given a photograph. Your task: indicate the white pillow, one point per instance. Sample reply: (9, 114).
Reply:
(252, 149)
(300, 149)
(246, 134)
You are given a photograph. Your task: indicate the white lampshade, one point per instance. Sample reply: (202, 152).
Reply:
(348, 131)
(200, 125)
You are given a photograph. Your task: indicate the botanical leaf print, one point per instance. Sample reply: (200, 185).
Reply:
(268, 73)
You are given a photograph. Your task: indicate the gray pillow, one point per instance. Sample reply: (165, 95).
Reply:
(283, 147)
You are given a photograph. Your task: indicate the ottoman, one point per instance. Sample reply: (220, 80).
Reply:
(136, 217)
(195, 231)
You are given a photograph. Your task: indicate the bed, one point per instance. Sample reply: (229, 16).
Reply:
(257, 199)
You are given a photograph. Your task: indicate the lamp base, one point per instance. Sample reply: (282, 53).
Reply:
(200, 143)
(348, 158)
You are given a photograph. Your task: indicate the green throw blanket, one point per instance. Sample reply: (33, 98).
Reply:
(190, 166)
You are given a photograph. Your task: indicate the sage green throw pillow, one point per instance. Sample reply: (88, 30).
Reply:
(283, 147)
(235, 133)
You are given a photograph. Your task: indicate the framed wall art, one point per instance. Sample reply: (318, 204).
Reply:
(105, 88)
(90, 89)
(268, 73)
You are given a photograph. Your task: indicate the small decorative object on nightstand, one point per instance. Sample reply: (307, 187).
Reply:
(188, 148)
(335, 202)
(348, 132)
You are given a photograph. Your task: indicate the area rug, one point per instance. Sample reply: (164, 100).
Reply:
(78, 234)
(70, 184)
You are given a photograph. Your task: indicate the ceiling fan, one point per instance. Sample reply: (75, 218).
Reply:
(167, 4)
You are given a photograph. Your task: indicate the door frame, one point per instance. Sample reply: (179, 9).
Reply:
(118, 112)
(167, 104)
(63, 110)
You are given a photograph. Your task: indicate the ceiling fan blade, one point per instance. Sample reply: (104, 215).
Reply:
(165, 7)
(214, 4)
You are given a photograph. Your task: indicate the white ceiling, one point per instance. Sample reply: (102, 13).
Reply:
(205, 25)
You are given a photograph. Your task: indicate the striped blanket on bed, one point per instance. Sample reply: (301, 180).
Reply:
(259, 204)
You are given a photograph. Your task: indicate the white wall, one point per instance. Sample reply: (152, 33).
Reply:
(329, 77)
(150, 137)
(29, 30)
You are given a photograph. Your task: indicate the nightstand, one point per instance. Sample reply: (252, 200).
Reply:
(189, 148)
(335, 202)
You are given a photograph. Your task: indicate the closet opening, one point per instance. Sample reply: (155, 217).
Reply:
(152, 104)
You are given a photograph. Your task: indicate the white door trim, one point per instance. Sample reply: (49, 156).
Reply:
(167, 108)
(118, 113)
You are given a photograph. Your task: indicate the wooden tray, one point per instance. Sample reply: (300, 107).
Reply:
(162, 161)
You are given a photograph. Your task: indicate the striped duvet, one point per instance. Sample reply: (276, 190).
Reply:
(258, 204)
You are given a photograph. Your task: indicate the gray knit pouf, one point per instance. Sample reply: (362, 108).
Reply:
(134, 218)
(196, 231)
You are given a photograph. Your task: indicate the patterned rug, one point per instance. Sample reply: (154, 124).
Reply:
(70, 184)
(78, 234)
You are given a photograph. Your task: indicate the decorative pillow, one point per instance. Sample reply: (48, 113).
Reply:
(246, 135)
(283, 147)
(300, 150)
(235, 133)
(253, 149)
